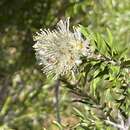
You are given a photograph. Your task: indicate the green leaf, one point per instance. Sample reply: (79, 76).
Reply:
(126, 63)
(109, 49)
(102, 73)
(78, 113)
(110, 36)
(84, 31)
(58, 125)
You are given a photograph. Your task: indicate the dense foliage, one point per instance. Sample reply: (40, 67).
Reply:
(98, 99)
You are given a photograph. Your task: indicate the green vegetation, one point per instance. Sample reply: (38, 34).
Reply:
(99, 100)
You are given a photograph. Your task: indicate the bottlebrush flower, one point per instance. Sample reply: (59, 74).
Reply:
(59, 51)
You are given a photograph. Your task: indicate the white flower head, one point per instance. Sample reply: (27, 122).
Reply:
(59, 50)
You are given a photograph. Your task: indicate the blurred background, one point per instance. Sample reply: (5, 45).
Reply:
(27, 100)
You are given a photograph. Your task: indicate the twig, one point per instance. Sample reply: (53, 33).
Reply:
(57, 85)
